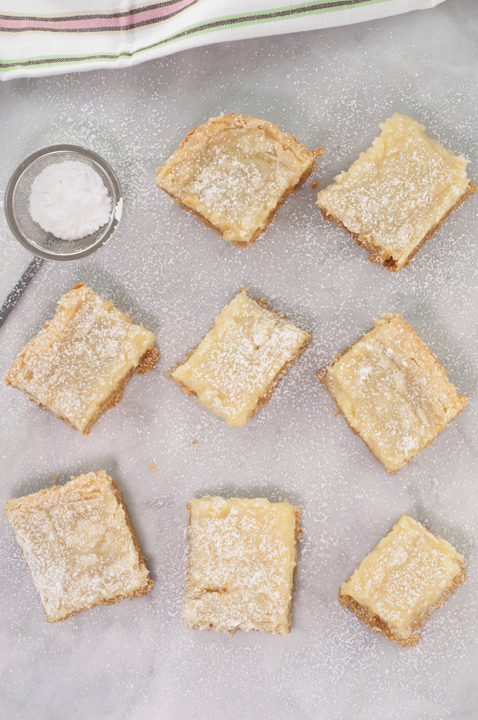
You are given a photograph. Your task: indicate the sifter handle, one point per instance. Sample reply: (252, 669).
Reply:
(17, 291)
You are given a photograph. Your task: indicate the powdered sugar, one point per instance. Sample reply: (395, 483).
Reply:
(236, 366)
(79, 358)
(234, 170)
(397, 191)
(137, 660)
(70, 200)
(241, 563)
(408, 574)
(78, 546)
(392, 392)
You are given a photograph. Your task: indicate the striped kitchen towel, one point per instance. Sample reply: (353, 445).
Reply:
(46, 37)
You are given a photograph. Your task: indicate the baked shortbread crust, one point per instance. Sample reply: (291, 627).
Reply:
(234, 172)
(397, 194)
(79, 363)
(392, 391)
(236, 367)
(398, 585)
(241, 565)
(80, 545)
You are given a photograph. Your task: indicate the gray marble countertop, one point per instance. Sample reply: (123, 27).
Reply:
(136, 660)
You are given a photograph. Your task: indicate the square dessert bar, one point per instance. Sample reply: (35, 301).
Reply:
(398, 585)
(80, 545)
(241, 564)
(236, 367)
(234, 172)
(79, 363)
(392, 391)
(397, 194)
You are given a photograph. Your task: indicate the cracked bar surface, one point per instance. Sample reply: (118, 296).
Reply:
(398, 193)
(241, 564)
(80, 362)
(392, 391)
(234, 172)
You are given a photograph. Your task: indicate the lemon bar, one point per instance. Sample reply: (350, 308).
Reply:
(234, 172)
(398, 585)
(236, 367)
(79, 363)
(392, 391)
(397, 194)
(80, 545)
(241, 565)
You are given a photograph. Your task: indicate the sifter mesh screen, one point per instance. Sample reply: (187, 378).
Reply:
(31, 231)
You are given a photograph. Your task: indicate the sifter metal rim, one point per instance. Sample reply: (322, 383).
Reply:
(52, 150)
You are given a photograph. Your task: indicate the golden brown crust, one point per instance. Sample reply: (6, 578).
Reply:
(146, 363)
(283, 371)
(196, 139)
(322, 373)
(375, 623)
(376, 252)
(298, 538)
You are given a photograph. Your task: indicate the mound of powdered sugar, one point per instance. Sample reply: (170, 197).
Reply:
(69, 200)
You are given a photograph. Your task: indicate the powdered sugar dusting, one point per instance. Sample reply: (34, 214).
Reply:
(410, 572)
(78, 546)
(234, 170)
(397, 191)
(77, 360)
(392, 392)
(241, 563)
(70, 200)
(237, 364)
(136, 659)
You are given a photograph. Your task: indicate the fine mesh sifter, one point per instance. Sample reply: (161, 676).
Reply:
(43, 245)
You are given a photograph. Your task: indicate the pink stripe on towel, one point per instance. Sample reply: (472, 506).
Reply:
(95, 23)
